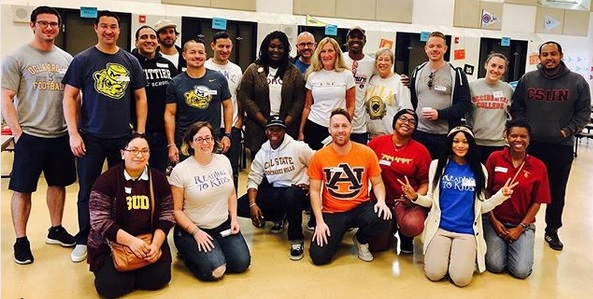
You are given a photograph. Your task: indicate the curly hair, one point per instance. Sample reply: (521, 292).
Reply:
(264, 57)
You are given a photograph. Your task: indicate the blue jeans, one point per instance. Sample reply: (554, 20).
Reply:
(159, 156)
(234, 153)
(231, 251)
(363, 216)
(275, 202)
(516, 257)
(89, 169)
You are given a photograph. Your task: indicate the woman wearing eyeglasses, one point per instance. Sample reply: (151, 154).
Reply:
(402, 159)
(330, 85)
(453, 237)
(491, 100)
(206, 233)
(385, 96)
(121, 208)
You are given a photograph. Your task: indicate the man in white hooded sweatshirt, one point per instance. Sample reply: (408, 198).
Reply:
(278, 184)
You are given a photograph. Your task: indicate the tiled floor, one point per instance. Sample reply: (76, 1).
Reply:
(566, 274)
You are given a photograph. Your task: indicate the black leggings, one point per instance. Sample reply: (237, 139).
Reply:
(111, 283)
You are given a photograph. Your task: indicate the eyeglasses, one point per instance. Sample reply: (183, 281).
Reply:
(135, 151)
(45, 23)
(302, 45)
(430, 77)
(410, 121)
(208, 139)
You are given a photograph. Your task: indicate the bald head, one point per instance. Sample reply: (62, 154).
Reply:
(306, 46)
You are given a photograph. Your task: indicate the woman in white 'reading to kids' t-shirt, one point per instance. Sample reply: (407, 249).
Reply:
(330, 85)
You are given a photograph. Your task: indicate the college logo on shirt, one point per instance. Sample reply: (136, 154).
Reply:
(199, 97)
(112, 81)
(343, 182)
(375, 108)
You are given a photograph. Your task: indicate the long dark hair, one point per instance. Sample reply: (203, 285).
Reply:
(472, 157)
(264, 58)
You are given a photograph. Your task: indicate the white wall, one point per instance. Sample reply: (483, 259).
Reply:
(428, 15)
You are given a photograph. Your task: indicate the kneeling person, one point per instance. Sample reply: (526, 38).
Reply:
(345, 168)
(277, 184)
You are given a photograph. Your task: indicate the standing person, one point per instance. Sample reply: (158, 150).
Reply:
(222, 45)
(305, 48)
(330, 85)
(129, 200)
(198, 94)
(509, 229)
(167, 35)
(278, 184)
(158, 72)
(362, 67)
(207, 233)
(32, 107)
(344, 169)
(556, 103)
(385, 96)
(440, 95)
(271, 86)
(110, 80)
(453, 239)
(491, 101)
(402, 159)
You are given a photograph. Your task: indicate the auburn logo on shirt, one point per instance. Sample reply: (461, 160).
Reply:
(343, 181)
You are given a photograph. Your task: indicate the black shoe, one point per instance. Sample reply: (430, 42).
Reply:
(553, 240)
(407, 245)
(311, 223)
(278, 227)
(59, 235)
(22, 252)
(296, 251)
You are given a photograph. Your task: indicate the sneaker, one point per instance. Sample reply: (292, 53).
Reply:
(311, 223)
(278, 227)
(59, 235)
(553, 241)
(407, 245)
(79, 253)
(363, 250)
(22, 252)
(296, 251)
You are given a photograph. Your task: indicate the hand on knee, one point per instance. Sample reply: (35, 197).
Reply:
(219, 272)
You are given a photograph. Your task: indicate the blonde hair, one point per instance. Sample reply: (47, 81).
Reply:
(382, 51)
(316, 65)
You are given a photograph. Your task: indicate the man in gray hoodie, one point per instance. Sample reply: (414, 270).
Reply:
(557, 104)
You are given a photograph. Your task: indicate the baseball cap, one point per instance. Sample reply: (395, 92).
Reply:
(163, 23)
(275, 120)
(356, 28)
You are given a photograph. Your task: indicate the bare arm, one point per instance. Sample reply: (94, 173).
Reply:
(227, 108)
(141, 109)
(351, 101)
(305, 114)
(9, 113)
(173, 151)
(379, 190)
(72, 103)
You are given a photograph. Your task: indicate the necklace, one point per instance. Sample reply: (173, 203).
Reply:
(396, 146)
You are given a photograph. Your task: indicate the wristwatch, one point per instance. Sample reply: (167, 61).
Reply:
(524, 226)
(227, 135)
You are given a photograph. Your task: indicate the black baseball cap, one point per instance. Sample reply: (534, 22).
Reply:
(275, 120)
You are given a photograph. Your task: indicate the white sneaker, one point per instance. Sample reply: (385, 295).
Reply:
(363, 250)
(79, 253)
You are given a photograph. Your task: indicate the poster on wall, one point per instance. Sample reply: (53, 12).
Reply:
(550, 23)
(533, 59)
(459, 54)
(488, 18)
(386, 43)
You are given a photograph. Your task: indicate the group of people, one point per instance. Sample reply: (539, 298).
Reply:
(307, 123)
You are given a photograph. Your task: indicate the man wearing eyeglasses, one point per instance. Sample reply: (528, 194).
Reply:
(305, 46)
(112, 83)
(32, 107)
(362, 67)
(440, 95)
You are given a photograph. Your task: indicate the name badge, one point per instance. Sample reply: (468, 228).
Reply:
(468, 182)
(211, 92)
(162, 65)
(501, 169)
(335, 169)
(440, 88)
(128, 190)
(123, 79)
(498, 94)
(385, 162)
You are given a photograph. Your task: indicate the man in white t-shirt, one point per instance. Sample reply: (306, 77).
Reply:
(362, 67)
(167, 35)
(222, 45)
